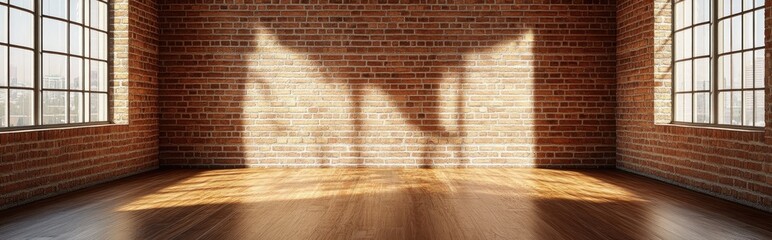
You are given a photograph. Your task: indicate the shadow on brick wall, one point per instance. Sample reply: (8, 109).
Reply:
(382, 83)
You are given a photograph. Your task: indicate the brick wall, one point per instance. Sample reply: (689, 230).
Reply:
(392, 83)
(731, 164)
(37, 164)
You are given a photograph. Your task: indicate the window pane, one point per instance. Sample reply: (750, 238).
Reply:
(103, 16)
(3, 108)
(724, 73)
(55, 8)
(87, 106)
(76, 73)
(748, 30)
(748, 70)
(688, 76)
(21, 26)
(688, 12)
(86, 43)
(28, 4)
(76, 40)
(724, 108)
(702, 74)
(687, 43)
(22, 108)
(679, 17)
(4, 25)
(21, 69)
(737, 69)
(76, 107)
(3, 66)
(759, 122)
(679, 106)
(54, 71)
(99, 15)
(687, 98)
(87, 75)
(759, 66)
(737, 100)
(725, 36)
(54, 35)
(702, 40)
(98, 76)
(737, 33)
(679, 76)
(759, 3)
(98, 107)
(76, 11)
(701, 11)
(748, 108)
(54, 107)
(758, 31)
(684, 107)
(102, 46)
(679, 45)
(702, 107)
(98, 45)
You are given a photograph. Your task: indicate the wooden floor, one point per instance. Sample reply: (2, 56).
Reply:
(385, 204)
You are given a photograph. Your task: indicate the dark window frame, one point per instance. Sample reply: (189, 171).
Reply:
(714, 91)
(38, 53)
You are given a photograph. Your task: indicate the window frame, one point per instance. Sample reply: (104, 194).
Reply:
(39, 52)
(714, 56)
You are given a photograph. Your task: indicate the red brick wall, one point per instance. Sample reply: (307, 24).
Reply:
(732, 164)
(37, 164)
(392, 83)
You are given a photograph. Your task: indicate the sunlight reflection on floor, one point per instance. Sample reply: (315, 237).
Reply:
(259, 185)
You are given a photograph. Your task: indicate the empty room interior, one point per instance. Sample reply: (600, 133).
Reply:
(385, 119)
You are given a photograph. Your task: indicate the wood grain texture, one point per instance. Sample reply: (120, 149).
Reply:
(385, 204)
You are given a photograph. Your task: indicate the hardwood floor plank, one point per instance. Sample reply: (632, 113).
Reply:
(385, 204)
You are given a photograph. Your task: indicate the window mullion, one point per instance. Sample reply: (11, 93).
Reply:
(741, 16)
(8, 72)
(38, 63)
(691, 94)
(67, 67)
(85, 33)
(673, 103)
(714, 61)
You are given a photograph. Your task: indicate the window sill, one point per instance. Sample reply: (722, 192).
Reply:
(716, 127)
(27, 129)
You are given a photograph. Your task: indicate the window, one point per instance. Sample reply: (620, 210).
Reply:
(718, 62)
(53, 62)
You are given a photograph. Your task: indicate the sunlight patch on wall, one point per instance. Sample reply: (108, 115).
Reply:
(498, 102)
(348, 107)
